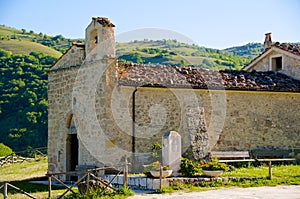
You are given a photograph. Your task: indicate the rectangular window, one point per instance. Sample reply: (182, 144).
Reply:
(276, 64)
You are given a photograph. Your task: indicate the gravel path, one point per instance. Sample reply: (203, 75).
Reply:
(278, 192)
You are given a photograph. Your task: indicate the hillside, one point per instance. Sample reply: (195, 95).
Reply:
(26, 56)
(248, 50)
(24, 42)
(172, 52)
(26, 47)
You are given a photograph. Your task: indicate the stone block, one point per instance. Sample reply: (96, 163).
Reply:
(150, 183)
(171, 151)
(143, 182)
(156, 183)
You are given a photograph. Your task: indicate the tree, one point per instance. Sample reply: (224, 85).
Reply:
(5, 150)
(183, 62)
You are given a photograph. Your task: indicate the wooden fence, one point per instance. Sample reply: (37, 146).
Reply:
(7, 184)
(84, 176)
(15, 158)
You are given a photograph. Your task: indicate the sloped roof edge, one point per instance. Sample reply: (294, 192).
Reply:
(78, 45)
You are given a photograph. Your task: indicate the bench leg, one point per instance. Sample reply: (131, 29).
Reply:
(270, 170)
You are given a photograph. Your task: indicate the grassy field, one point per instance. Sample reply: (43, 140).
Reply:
(25, 170)
(18, 174)
(282, 175)
(26, 47)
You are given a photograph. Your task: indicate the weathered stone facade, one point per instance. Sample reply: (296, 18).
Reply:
(97, 119)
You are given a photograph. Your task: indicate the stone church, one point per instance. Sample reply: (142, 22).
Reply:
(102, 112)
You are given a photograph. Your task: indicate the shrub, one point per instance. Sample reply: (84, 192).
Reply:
(188, 168)
(156, 152)
(5, 150)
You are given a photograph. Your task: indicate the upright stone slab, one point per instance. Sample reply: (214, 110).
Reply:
(171, 151)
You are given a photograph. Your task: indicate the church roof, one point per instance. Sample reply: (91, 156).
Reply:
(199, 78)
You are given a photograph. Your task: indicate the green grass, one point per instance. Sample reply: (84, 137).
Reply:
(26, 47)
(97, 194)
(287, 175)
(6, 31)
(25, 170)
(18, 172)
(36, 190)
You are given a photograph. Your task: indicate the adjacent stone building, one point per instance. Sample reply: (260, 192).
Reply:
(102, 112)
(282, 57)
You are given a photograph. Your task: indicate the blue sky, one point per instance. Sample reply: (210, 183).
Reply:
(211, 23)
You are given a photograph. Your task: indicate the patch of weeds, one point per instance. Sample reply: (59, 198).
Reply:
(98, 194)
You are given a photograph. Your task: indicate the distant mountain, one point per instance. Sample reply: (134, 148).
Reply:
(26, 56)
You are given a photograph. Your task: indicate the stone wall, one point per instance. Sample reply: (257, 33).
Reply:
(222, 120)
(60, 88)
(260, 119)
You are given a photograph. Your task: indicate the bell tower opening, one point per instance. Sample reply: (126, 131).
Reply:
(93, 39)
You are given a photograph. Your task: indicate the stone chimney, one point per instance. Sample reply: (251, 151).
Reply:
(268, 41)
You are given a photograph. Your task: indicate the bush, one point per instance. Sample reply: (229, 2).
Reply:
(188, 168)
(215, 165)
(5, 150)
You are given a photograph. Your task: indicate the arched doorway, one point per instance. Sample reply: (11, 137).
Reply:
(71, 146)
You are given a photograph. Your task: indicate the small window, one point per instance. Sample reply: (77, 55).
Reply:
(276, 64)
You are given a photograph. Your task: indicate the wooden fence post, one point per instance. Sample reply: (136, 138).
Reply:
(125, 183)
(49, 186)
(12, 158)
(160, 176)
(88, 182)
(5, 190)
(270, 170)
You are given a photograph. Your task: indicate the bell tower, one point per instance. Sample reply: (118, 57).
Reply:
(99, 39)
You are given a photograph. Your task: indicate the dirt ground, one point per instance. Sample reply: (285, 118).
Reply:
(278, 192)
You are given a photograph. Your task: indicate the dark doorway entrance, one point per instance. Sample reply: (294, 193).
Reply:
(72, 152)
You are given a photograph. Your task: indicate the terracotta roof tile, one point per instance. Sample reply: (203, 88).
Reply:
(292, 48)
(198, 78)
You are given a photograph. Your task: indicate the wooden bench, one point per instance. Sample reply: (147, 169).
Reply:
(232, 156)
(272, 155)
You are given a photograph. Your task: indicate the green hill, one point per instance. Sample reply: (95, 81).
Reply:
(26, 47)
(172, 52)
(33, 42)
(250, 49)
